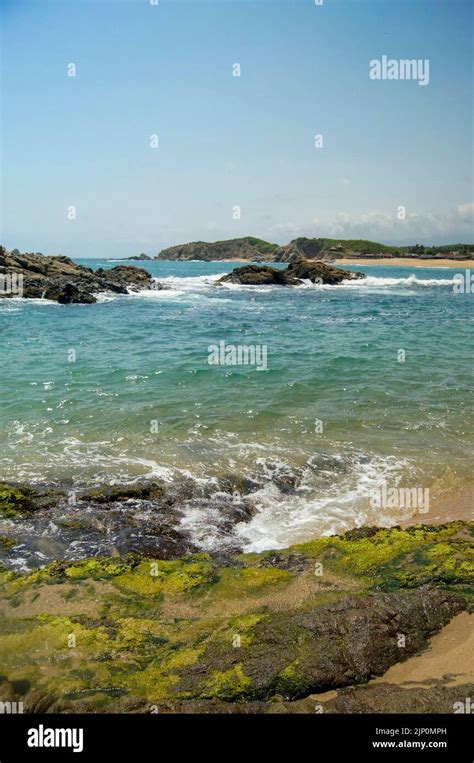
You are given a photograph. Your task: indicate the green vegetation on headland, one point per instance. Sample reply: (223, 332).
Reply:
(255, 249)
(234, 633)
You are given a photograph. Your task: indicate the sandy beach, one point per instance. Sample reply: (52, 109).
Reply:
(446, 506)
(401, 262)
(450, 655)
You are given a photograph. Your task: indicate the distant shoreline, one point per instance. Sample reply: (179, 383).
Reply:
(406, 261)
(359, 261)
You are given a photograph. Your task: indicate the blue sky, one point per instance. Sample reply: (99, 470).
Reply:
(228, 141)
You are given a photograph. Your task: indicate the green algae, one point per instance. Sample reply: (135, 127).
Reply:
(229, 685)
(235, 582)
(394, 557)
(98, 568)
(135, 647)
(290, 678)
(14, 500)
(7, 543)
(173, 578)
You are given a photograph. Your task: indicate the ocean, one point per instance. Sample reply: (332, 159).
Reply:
(367, 384)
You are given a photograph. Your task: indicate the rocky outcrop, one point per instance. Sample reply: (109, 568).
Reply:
(259, 275)
(140, 257)
(126, 277)
(293, 275)
(144, 517)
(36, 276)
(243, 633)
(247, 248)
(320, 272)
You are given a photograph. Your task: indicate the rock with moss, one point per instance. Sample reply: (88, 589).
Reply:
(17, 499)
(215, 635)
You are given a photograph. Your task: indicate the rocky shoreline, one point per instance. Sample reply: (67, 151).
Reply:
(176, 631)
(144, 517)
(38, 276)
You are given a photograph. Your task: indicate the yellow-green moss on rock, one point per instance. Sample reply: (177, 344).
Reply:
(173, 578)
(18, 499)
(234, 630)
(229, 684)
(399, 557)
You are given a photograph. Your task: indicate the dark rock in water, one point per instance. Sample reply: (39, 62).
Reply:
(258, 275)
(146, 518)
(144, 491)
(36, 276)
(140, 257)
(294, 274)
(126, 277)
(68, 294)
(17, 499)
(320, 272)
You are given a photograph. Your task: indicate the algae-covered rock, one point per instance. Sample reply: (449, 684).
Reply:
(324, 647)
(229, 635)
(18, 499)
(437, 696)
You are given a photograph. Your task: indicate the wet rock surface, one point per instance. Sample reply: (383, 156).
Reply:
(293, 275)
(41, 523)
(140, 257)
(242, 633)
(320, 272)
(36, 276)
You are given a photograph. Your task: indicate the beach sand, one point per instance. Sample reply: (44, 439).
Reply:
(449, 660)
(450, 654)
(446, 506)
(401, 262)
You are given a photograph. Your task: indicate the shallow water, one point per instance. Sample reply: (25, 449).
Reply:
(141, 399)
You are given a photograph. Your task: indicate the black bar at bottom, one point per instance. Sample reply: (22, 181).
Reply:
(92, 737)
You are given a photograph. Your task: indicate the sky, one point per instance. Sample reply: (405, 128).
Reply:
(234, 155)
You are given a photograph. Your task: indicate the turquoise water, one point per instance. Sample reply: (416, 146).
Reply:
(142, 400)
